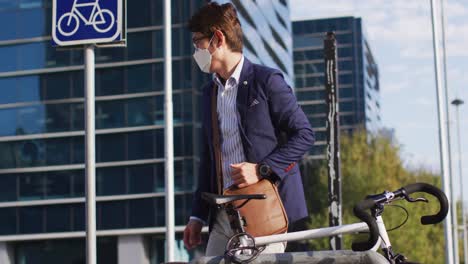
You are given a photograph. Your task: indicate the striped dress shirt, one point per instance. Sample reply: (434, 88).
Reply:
(232, 151)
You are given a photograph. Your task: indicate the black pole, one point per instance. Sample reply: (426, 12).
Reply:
(333, 137)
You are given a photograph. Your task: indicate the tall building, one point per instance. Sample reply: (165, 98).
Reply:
(42, 215)
(358, 77)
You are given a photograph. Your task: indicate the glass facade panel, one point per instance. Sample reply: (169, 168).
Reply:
(141, 179)
(140, 45)
(141, 145)
(64, 251)
(110, 114)
(31, 186)
(57, 86)
(58, 184)
(110, 181)
(8, 224)
(141, 111)
(8, 55)
(111, 215)
(109, 81)
(139, 78)
(142, 213)
(78, 211)
(8, 188)
(58, 151)
(26, 226)
(106, 55)
(58, 218)
(107, 148)
(182, 202)
(159, 182)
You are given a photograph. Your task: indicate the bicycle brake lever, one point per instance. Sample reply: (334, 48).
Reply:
(412, 200)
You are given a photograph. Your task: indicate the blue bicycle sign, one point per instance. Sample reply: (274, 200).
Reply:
(77, 22)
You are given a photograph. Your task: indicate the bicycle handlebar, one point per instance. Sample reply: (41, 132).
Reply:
(386, 197)
(360, 212)
(434, 191)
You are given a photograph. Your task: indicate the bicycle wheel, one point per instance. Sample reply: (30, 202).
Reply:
(105, 21)
(68, 24)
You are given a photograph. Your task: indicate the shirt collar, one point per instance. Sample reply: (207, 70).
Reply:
(235, 75)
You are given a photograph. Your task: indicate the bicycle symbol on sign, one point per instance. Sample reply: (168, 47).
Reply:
(102, 20)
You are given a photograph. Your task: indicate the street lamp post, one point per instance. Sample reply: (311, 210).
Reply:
(457, 102)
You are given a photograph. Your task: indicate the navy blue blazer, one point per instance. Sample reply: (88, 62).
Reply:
(273, 130)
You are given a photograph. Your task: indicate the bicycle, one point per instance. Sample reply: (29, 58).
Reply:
(97, 18)
(243, 248)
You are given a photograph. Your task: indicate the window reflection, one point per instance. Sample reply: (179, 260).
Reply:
(111, 215)
(31, 187)
(8, 55)
(110, 181)
(31, 20)
(110, 147)
(141, 145)
(109, 81)
(26, 226)
(58, 218)
(142, 212)
(8, 188)
(58, 184)
(49, 118)
(140, 45)
(110, 114)
(8, 222)
(139, 78)
(141, 179)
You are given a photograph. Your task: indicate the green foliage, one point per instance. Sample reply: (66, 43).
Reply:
(370, 165)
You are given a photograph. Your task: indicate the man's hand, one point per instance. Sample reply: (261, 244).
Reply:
(244, 174)
(192, 234)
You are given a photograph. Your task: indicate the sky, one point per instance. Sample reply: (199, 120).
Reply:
(399, 33)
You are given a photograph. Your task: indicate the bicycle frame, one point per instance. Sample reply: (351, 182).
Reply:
(76, 11)
(383, 241)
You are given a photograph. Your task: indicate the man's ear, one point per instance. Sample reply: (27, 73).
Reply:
(221, 39)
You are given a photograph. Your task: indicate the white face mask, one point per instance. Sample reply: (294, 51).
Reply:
(203, 58)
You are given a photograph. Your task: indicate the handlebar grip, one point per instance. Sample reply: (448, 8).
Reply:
(360, 212)
(436, 192)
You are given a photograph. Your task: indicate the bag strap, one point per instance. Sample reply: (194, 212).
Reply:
(216, 139)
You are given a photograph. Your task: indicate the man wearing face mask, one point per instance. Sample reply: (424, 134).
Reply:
(254, 107)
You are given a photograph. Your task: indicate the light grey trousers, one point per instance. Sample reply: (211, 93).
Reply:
(221, 232)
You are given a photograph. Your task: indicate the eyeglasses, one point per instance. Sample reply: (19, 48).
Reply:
(196, 40)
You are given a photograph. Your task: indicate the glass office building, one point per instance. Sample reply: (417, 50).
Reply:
(42, 215)
(358, 77)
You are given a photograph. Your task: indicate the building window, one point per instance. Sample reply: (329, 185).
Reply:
(111, 215)
(8, 221)
(58, 218)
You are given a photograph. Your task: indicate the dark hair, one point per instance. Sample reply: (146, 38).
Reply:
(212, 17)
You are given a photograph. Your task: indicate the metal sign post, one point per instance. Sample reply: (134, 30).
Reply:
(90, 166)
(333, 138)
(168, 134)
(76, 23)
